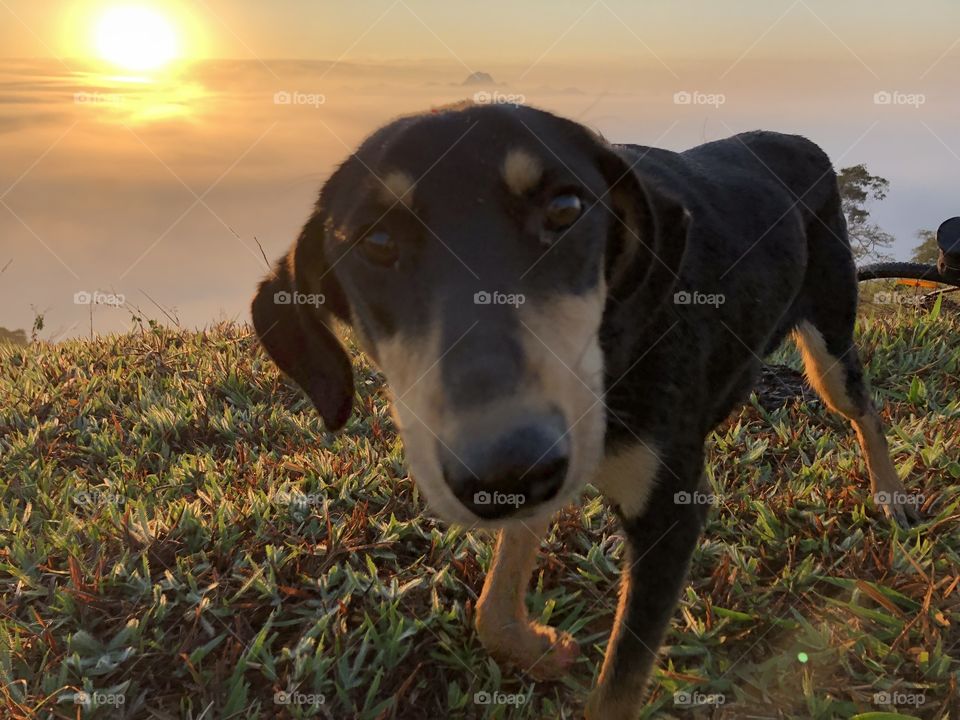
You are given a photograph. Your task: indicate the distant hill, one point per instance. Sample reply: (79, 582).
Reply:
(17, 337)
(479, 78)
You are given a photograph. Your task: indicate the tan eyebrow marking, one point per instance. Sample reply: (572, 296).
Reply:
(398, 186)
(521, 171)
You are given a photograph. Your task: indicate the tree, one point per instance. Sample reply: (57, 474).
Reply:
(927, 252)
(858, 188)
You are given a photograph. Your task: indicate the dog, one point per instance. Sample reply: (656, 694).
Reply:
(551, 310)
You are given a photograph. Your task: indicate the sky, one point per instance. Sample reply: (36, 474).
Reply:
(159, 188)
(510, 30)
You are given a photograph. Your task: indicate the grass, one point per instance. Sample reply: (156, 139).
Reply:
(180, 539)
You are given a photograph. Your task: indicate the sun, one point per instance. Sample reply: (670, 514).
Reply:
(136, 38)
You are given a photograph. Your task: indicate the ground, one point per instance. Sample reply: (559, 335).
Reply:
(180, 538)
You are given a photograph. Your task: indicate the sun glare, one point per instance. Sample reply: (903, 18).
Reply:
(136, 38)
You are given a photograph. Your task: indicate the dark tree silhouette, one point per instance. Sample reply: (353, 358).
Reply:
(858, 188)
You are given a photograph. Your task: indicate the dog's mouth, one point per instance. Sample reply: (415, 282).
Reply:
(508, 470)
(515, 468)
(542, 485)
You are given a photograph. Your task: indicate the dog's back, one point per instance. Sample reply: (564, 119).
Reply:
(723, 176)
(766, 238)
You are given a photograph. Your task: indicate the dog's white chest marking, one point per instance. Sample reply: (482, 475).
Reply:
(627, 477)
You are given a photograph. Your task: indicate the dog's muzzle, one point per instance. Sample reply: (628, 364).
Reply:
(509, 472)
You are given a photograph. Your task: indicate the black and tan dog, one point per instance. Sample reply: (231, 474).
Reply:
(551, 310)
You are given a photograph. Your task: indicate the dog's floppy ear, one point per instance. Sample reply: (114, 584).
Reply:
(648, 240)
(294, 326)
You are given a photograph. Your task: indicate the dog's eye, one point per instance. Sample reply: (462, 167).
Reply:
(379, 248)
(562, 211)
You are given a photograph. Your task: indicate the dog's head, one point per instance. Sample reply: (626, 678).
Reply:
(473, 250)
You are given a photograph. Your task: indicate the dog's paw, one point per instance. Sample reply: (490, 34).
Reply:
(542, 652)
(902, 508)
(558, 651)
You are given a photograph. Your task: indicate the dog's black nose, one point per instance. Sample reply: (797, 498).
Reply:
(518, 468)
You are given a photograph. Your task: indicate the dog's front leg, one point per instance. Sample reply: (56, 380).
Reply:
(502, 622)
(660, 541)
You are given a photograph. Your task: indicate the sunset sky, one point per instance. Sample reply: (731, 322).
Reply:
(510, 30)
(151, 167)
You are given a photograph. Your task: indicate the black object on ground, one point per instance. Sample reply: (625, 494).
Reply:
(781, 384)
(948, 238)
